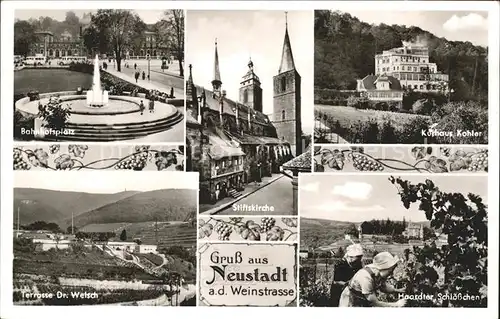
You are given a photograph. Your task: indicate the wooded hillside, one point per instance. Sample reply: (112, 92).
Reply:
(345, 48)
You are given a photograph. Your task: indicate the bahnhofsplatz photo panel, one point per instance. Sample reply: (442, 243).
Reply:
(393, 240)
(104, 238)
(249, 108)
(99, 75)
(404, 77)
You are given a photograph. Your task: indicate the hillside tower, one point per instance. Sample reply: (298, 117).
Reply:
(287, 98)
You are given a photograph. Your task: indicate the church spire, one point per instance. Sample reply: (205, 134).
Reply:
(216, 82)
(287, 63)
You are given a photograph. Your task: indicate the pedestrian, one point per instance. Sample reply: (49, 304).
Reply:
(135, 66)
(344, 270)
(151, 105)
(148, 77)
(142, 107)
(136, 76)
(172, 92)
(143, 75)
(362, 289)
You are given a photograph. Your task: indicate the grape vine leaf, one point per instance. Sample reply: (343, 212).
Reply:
(275, 234)
(205, 229)
(290, 222)
(236, 219)
(141, 148)
(165, 159)
(418, 152)
(334, 159)
(38, 158)
(78, 150)
(436, 165)
(250, 231)
(64, 162)
(317, 150)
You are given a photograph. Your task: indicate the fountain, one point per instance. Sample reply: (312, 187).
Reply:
(97, 97)
(100, 116)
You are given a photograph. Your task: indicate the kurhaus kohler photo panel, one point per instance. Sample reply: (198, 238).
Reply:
(104, 238)
(401, 77)
(249, 108)
(99, 75)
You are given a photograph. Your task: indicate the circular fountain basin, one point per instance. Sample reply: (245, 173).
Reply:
(78, 105)
(121, 110)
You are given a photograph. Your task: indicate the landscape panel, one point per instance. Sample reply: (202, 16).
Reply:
(99, 75)
(415, 77)
(114, 238)
(393, 240)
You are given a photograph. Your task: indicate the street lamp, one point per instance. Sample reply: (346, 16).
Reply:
(149, 66)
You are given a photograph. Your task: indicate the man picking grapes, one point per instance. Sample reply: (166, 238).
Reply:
(361, 291)
(344, 271)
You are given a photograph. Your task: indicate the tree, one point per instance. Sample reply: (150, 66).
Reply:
(171, 33)
(54, 114)
(24, 36)
(71, 19)
(118, 28)
(71, 230)
(462, 263)
(123, 235)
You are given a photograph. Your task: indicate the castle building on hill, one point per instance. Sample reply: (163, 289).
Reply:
(232, 143)
(406, 68)
(414, 231)
(411, 65)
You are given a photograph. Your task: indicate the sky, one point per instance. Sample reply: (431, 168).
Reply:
(452, 25)
(357, 198)
(258, 35)
(148, 16)
(105, 182)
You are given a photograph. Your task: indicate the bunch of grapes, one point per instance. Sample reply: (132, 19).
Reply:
(363, 163)
(266, 223)
(478, 162)
(445, 151)
(136, 162)
(53, 149)
(19, 161)
(224, 230)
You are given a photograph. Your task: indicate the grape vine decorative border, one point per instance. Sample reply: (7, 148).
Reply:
(248, 229)
(25, 158)
(425, 162)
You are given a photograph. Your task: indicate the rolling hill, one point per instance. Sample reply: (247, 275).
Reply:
(36, 204)
(161, 205)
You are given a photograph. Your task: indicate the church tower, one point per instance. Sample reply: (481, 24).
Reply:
(250, 89)
(216, 82)
(287, 97)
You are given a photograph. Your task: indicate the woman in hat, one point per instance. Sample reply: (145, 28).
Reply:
(361, 291)
(344, 271)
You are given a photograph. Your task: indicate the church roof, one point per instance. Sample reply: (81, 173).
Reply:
(287, 63)
(230, 108)
(247, 139)
(222, 146)
(301, 163)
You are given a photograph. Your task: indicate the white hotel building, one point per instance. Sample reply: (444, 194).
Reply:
(410, 64)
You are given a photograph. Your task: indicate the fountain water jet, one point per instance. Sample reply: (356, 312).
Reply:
(97, 97)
